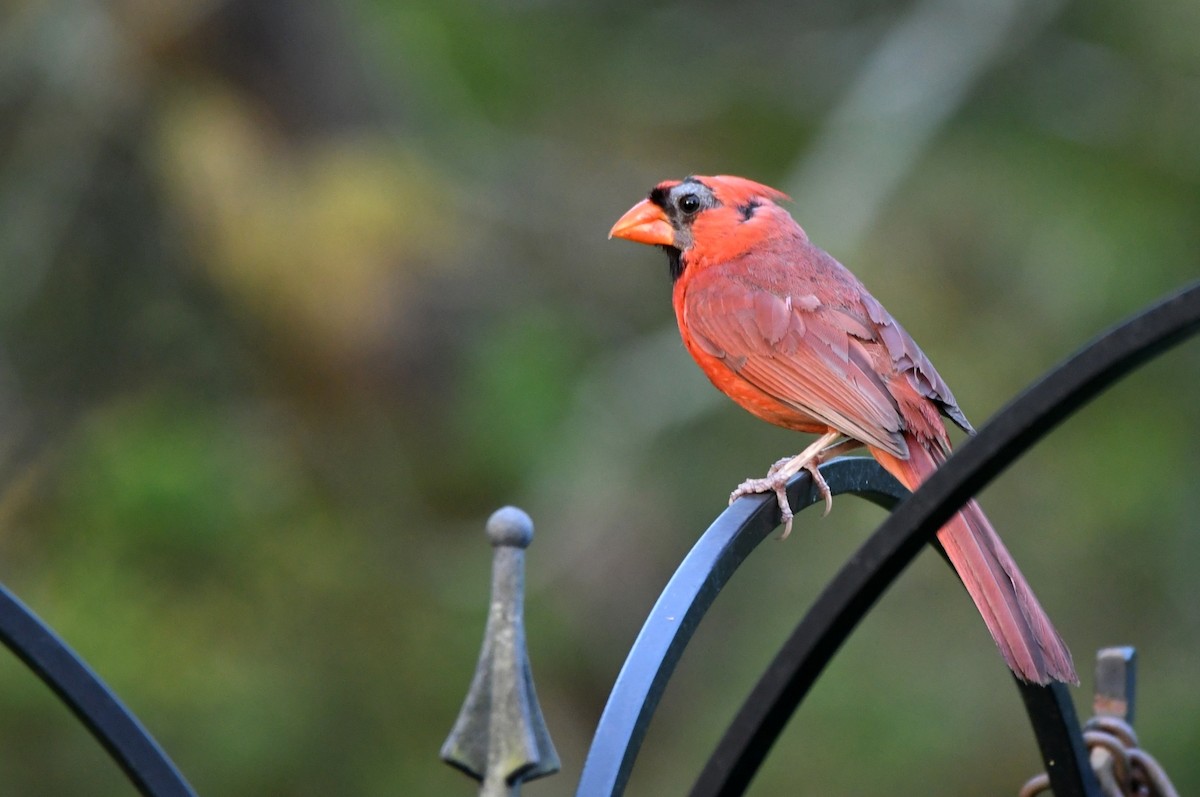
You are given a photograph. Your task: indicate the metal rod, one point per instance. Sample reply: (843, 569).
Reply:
(1116, 683)
(128, 743)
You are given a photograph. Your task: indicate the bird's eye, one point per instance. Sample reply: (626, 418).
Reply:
(689, 203)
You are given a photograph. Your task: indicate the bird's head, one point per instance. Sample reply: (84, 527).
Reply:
(704, 219)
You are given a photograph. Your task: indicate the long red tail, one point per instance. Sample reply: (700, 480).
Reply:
(1023, 632)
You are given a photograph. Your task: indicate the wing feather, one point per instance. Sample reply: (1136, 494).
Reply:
(802, 352)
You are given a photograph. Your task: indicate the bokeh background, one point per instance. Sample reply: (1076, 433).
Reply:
(294, 294)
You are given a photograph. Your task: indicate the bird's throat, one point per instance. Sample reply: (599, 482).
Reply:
(674, 262)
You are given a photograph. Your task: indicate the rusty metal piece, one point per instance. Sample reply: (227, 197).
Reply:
(1152, 775)
(500, 738)
(1122, 769)
(1036, 785)
(1109, 734)
(1116, 676)
(1110, 760)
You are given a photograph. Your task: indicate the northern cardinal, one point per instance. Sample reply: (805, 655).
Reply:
(792, 336)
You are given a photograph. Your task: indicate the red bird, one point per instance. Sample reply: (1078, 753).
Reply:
(792, 336)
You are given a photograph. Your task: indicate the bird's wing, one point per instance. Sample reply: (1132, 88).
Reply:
(817, 358)
(908, 359)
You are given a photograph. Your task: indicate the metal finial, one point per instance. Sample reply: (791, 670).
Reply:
(500, 738)
(510, 526)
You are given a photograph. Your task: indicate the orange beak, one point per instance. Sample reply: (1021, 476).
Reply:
(644, 223)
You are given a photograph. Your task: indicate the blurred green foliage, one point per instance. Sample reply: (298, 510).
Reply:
(294, 295)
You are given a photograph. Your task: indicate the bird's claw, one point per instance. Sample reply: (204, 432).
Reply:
(777, 478)
(821, 485)
(775, 482)
(771, 483)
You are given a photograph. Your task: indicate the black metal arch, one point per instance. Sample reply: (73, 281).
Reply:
(124, 738)
(685, 600)
(864, 578)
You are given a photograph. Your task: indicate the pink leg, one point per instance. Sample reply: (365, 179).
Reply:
(777, 477)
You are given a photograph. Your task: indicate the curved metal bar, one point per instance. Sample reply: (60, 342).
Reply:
(848, 597)
(684, 601)
(129, 744)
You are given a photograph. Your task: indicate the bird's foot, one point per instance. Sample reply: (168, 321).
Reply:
(771, 483)
(778, 475)
(778, 466)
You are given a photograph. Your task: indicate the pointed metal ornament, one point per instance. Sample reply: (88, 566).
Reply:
(500, 737)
